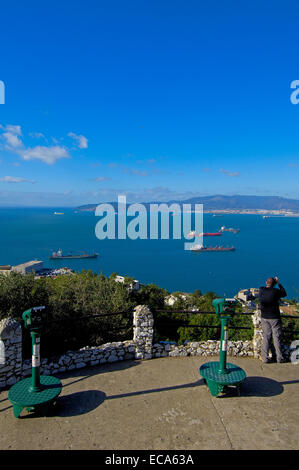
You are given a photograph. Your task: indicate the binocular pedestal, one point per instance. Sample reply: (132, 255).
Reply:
(37, 392)
(22, 396)
(220, 375)
(219, 382)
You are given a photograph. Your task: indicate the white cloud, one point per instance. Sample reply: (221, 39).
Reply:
(12, 128)
(47, 155)
(81, 141)
(101, 178)
(15, 179)
(11, 136)
(37, 135)
(12, 141)
(135, 171)
(229, 173)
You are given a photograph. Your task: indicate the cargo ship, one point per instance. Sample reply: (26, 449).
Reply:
(234, 230)
(212, 248)
(59, 255)
(192, 234)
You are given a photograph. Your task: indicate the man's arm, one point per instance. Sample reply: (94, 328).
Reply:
(282, 292)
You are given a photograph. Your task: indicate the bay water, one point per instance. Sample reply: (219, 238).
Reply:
(264, 247)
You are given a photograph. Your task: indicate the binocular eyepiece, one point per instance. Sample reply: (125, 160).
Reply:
(225, 306)
(34, 317)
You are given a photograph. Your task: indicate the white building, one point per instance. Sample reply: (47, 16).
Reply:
(133, 286)
(172, 298)
(247, 295)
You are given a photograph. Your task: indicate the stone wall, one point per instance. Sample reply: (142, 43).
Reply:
(143, 324)
(11, 352)
(140, 347)
(84, 357)
(258, 334)
(203, 348)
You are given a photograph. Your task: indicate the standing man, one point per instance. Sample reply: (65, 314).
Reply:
(270, 317)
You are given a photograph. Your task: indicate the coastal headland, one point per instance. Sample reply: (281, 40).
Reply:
(219, 205)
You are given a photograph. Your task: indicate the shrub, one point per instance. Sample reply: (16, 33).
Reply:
(69, 299)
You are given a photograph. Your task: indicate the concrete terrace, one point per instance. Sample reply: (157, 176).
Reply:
(161, 404)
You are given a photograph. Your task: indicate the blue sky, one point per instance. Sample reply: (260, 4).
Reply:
(153, 99)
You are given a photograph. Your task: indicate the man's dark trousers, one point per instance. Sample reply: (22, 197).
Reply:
(271, 330)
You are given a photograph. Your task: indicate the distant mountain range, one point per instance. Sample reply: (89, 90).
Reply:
(220, 202)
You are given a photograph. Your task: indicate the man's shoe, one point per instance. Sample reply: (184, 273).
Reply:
(281, 361)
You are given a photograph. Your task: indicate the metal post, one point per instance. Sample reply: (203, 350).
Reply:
(223, 345)
(35, 386)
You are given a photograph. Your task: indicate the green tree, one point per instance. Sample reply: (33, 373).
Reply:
(150, 295)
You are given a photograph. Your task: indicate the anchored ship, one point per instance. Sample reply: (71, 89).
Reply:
(59, 255)
(234, 230)
(212, 248)
(192, 234)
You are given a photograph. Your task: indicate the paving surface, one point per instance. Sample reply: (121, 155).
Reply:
(161, 404)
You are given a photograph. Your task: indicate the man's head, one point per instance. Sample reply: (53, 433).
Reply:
(270, 282)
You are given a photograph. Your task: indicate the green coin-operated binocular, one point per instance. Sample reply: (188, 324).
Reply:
(225, 307)
(35, 392)
(220, 374)
(34, 318)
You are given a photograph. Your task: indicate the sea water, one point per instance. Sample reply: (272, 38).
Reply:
(264, 247)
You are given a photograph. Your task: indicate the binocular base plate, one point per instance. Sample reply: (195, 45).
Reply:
(21, 396)
(217, 381)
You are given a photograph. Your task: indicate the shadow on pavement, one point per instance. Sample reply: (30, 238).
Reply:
(77, 403)
(156, 390)
(259, 387)
(83, 402)
(263, 387)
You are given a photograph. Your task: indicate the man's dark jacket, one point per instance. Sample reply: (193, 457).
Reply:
(269, 301)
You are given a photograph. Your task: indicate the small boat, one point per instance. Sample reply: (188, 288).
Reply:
(234, 230)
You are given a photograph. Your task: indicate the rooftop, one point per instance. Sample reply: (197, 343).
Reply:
(162, 404)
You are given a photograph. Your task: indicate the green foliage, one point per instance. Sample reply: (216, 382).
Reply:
(167, 324)
(71, 298)
(68, 299)
(201, 333)
(150, 295)
(289, 326)
(17, 292)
